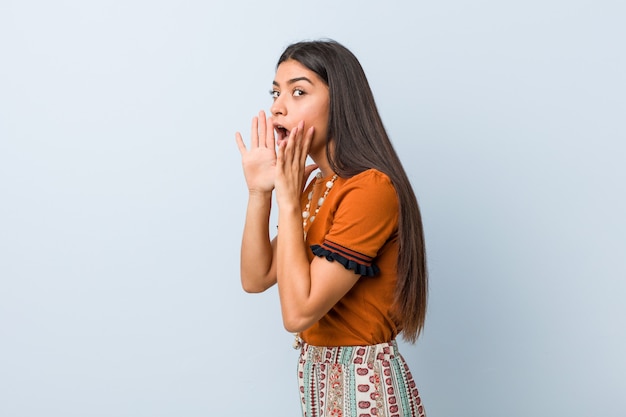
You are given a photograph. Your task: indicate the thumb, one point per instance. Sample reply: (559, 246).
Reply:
(308, 169)
(307, 172)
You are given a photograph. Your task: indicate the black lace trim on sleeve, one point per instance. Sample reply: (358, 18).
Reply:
(358, 268)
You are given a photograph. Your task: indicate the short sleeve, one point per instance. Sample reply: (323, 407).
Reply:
(365, 218)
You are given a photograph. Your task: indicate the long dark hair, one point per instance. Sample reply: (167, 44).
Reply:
(358, 141)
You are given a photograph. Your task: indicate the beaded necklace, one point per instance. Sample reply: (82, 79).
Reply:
(306, 213)
(308, 219)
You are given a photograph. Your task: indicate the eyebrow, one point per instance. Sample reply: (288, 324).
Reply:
(294, 80)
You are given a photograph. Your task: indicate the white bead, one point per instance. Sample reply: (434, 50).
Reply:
(306, 214)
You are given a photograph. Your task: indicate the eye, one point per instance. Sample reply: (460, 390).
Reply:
(274, 94)
(297, 92)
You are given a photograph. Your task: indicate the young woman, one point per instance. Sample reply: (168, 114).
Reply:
(349, 256)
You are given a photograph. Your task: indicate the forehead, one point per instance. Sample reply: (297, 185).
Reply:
(291, 71)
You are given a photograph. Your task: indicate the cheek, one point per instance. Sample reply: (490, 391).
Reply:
(319, 117)
(320, 138)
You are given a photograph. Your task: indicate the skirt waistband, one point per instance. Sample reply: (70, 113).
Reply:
(347, 355)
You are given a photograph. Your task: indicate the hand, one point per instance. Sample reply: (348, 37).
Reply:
(259, 162)
(291, 168)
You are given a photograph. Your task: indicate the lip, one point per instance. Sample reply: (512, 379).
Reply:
(281, 132)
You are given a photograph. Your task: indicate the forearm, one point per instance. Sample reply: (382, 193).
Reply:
(257, 270)
(293, 268)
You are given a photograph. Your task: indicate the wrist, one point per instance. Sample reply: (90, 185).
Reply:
(260, 194)
(290, 208)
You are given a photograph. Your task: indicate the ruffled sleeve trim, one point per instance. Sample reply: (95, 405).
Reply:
(360, 264)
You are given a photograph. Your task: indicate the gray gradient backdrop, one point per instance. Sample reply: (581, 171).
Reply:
(122, 201)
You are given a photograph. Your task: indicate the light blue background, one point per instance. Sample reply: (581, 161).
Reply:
(122, 201)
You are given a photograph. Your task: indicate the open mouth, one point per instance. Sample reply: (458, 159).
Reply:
(281, 132)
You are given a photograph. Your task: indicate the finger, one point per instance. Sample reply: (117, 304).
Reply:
(290, 143)
(280, 156)
(270, 138)
(308, 170)
(262, 129)
(288, 146)
(306, 145)
(297, 154)
(240, 144)
(254, 133)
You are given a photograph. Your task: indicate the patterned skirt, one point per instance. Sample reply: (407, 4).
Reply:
(357, 381)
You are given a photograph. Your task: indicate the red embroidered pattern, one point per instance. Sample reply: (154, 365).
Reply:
(365, 381)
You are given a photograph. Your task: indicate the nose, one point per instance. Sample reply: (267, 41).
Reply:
(278, 108)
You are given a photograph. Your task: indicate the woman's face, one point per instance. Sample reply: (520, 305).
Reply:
(300, 95)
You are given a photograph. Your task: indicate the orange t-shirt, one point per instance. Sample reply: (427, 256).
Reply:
(357, 226)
